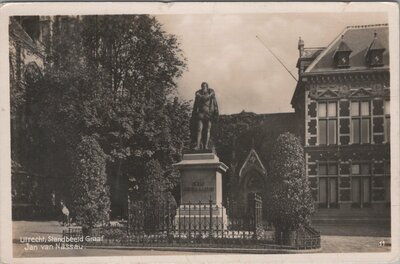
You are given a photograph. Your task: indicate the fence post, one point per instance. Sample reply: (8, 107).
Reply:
(190, 225)
(168, 216)
(129, 215)
(211, 214)
(179, 222)
(222, 221)
(200, 233)
(254, 215)
(257, 214)
(204, 218)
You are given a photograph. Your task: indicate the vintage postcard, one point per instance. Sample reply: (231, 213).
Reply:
(199, 132)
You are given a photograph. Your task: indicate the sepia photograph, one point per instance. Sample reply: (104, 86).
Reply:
(202, 133)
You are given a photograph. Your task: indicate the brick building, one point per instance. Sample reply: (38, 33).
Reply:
(343, 99)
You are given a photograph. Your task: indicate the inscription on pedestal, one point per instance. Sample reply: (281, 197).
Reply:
(201, 181)
(201, 178)
(198, 186)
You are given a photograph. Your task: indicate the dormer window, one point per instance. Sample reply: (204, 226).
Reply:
(342, 60)
(341, 56)
(374, 55)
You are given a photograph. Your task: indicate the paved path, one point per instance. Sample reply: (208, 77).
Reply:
(23, 229)
(335, 239)
(98, 252)
(347, 244)
(53, 228)
(354, 238)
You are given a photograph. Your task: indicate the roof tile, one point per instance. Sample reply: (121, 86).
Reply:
(358, 39)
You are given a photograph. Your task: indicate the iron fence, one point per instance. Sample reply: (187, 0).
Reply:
(199, 225)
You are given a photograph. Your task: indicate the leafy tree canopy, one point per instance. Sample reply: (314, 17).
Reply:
(112, 78)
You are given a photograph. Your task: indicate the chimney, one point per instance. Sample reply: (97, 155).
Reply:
(300, 47)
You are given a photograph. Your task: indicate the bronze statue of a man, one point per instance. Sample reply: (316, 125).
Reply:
(205, 111)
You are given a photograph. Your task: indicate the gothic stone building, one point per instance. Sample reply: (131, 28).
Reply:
(342, 100)
(32, 192)
(244, 143)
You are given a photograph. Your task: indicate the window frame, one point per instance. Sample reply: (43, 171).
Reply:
(360, 117)
(328, 177)
(387, 122)
(338, 59)
(372, 54)
(361, 178)
(327, 118)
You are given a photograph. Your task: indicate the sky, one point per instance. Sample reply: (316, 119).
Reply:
(223, 51)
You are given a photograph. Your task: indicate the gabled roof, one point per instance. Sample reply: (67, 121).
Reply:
(252, 162)
(360, 93)
(18, 33)
(358, 39)
(343, 46)
(328, 94)
(311, 53)
(376, 44)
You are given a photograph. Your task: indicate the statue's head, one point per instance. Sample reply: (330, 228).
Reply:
(204, 86)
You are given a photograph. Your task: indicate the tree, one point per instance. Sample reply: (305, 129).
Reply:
(90, 192)
(112, 78)
(145, 120)
(156, 193)
(290, 202)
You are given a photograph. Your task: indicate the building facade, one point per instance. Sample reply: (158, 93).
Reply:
(343, 101)
(34, 194)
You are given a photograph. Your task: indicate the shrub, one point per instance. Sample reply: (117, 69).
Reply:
(90, 192)
(290, 202)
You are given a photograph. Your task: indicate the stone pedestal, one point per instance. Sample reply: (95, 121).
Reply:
(201, 192)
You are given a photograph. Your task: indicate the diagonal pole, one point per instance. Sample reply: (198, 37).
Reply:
(277, 58)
